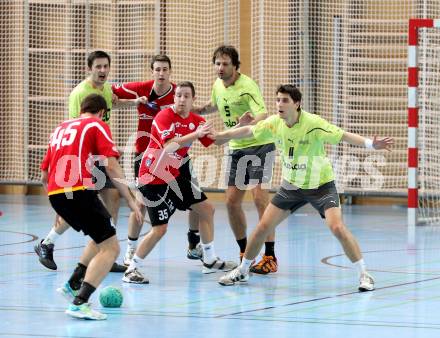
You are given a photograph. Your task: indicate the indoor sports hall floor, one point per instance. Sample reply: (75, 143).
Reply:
(314, 294)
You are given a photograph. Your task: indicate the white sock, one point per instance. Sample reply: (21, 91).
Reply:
(360, 266)
(209, 255)
(245, 265)
(132, 244)
(51, 237)
(135, 262)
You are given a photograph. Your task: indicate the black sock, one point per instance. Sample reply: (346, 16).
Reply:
(242, 244)
(77, 276)
(133, 239)
(84, 293)
(193, 238)
(269, 249)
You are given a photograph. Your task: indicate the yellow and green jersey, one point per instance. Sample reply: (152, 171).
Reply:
(82, 90)
(233, 101)
(303, 156)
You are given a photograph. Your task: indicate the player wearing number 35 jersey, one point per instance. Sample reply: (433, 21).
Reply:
(165, 187)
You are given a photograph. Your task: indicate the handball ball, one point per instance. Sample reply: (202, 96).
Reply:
(111, 297)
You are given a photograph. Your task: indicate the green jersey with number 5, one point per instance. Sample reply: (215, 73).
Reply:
(233, 101)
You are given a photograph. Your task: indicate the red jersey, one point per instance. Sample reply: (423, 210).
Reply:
(158, 167)
(146, 112)
(69, 159)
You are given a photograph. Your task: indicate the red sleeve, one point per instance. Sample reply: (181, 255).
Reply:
(206, 141)
(104, 142)
(129, 90)
(164, 124)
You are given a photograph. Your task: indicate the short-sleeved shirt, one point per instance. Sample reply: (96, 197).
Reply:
(68, 159)
(303, 156)
(148, 111)
(233, 101)
(84, 89)
(158, 167)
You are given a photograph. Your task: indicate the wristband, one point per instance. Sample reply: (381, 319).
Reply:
(369, 143)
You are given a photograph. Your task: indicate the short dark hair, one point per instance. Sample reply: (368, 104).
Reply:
(229, 51)
(187, 84)
(293, 92)
(93, 104)
(97, 54)
(160, 58)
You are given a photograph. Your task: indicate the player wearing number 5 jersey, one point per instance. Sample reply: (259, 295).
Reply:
(66, 174)
(238, 98)
(166, 188)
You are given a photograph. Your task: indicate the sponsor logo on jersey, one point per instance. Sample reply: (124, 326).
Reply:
(144, 116)
(230, 124)
(296, 166)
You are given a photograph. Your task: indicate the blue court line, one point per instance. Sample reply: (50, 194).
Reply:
(328, 297)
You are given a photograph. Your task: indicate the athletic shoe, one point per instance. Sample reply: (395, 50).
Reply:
(118, 268)
(218, 265)
(129, 254)
(45, 255)
(135, 276)
(67, 292)
(266, 265)
(196, 253)
(366, 282)
(233, 277)
(84, 311)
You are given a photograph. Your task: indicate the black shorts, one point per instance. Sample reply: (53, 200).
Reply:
(241, 168)
(162, 201)
(84, 212)
(291, 198)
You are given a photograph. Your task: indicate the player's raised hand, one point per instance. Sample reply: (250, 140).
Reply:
(246, 119)
(205, 129)
(141, 100)
(382, 143)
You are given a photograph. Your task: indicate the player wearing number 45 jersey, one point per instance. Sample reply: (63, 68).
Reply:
(66, 174)
(307, 176)
(165, 188)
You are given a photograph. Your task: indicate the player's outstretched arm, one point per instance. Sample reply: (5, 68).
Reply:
(115, 173)
(178, 142)
(122, 103)
(206, 109)
(375, 143)
(234, 133)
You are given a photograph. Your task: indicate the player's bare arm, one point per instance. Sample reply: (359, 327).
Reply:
(123, 103)
(248, 119)
(375, 143)
(206, 109)
(117, 176)
(234, 133)
(179, 142)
